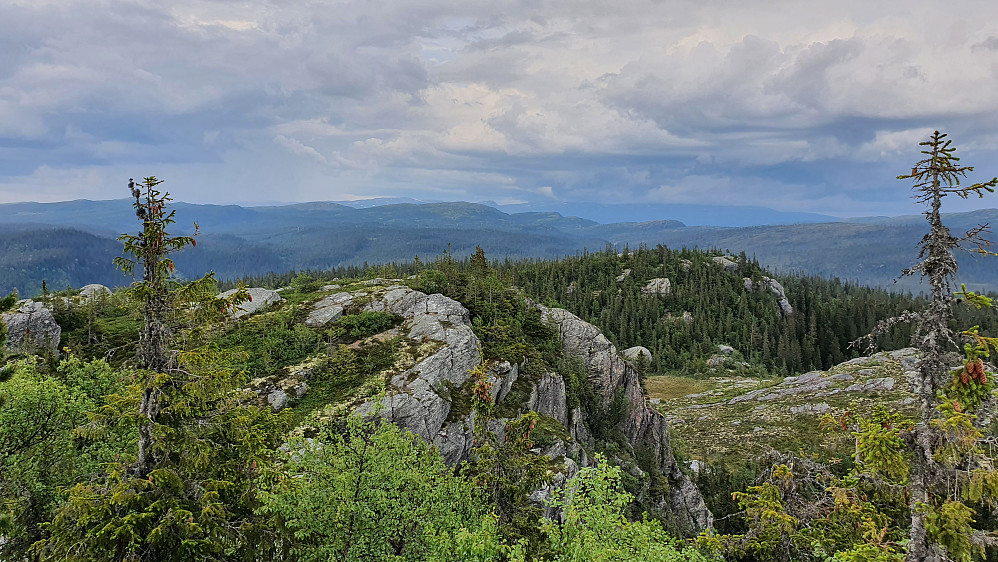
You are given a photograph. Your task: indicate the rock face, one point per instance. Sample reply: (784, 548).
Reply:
(261, 298)
(421, 397)
(624, 275)
(659, 286)
(643, 427)
(781, 295)
(31, 328)
(632, 353)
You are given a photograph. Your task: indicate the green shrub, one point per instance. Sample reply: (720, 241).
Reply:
(367, 323)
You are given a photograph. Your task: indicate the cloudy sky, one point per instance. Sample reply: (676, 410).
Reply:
(796, 105)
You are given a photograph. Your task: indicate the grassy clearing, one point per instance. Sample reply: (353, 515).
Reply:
(667, 387)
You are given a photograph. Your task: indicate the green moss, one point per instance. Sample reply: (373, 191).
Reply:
(549, 431)
(460, 399)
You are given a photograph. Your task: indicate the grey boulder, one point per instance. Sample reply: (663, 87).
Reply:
(31, 328)
(260, 299)
(632, 353)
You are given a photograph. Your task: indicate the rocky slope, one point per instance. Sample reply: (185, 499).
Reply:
(731, 419)
(427, 389)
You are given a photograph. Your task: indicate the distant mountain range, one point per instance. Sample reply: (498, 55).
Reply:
(606, 213)
(72, 243)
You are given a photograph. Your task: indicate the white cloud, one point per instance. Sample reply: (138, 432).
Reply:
(778, 102)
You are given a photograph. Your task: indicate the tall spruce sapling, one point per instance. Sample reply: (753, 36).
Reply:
(948, 466)
(189, 493)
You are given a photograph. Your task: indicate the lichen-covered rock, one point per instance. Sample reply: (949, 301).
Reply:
(643, 427)
(659, 286)
(623, 275)
(319, 317)
(632, 353)
(278, 400)
(260, 299)
(31, 328)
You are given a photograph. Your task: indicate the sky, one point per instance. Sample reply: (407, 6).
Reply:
(794, 105)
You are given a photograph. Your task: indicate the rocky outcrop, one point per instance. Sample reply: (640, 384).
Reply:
(781, 296)
(624, 275)
(728, 263)
(259, 299)
(632, 353)
(774, 287)
(327, 310)
(659, 286)
(419, 399)
(430, 395)
(31, 328)
(642, 427)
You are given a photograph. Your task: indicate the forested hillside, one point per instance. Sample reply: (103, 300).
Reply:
(240, 241)
(709, 305)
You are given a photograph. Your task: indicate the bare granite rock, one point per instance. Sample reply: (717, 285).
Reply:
(549, 398)
(328, 309)
(418, 399)
(93, 291)
(728, 263)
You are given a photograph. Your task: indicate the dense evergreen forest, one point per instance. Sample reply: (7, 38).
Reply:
(827, 316)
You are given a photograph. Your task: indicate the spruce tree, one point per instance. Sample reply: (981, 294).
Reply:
(935, 499)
